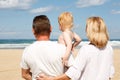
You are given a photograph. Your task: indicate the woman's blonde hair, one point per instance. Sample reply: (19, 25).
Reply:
(97, 32)
(65, 20)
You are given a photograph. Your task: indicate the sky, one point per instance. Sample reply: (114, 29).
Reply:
(16, 16)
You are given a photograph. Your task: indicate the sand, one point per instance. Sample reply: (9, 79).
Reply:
(10, 64)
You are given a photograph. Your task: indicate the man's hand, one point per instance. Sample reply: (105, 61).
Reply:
(26, 74)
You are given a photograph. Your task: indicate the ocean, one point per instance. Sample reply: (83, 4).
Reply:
(22, 43)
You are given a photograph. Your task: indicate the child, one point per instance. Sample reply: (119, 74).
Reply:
(69, 38)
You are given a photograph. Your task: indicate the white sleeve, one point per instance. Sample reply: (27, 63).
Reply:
(74, 71)
(23, 62)
(112, 70)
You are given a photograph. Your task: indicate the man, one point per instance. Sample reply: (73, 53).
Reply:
(42, 56)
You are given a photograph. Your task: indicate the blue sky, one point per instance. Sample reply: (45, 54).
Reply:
(16, 16)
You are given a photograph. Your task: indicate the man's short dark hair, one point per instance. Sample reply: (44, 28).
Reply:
(41, 25)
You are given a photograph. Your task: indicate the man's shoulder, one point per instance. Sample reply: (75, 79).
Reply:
(55, 43)
(46, 43)
(29, 46)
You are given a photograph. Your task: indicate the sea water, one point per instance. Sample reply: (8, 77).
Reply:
(22, 43)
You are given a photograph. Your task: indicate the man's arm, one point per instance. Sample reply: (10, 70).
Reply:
(26, 74)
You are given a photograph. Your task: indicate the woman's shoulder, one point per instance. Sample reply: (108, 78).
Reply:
(88, 47)
(109, 47)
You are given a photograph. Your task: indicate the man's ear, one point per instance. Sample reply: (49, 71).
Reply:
(33, 31)
(50, 28)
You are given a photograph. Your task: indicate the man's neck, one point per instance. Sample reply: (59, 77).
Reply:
(43, 38)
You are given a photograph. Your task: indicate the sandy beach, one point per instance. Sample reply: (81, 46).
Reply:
(10, 64)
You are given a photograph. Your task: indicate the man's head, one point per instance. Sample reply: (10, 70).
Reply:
(41, 25)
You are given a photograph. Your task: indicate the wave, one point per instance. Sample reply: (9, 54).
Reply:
(13, 46)
(114, 44)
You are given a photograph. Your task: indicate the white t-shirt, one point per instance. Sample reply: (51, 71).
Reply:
(92, 64)
(43, 56)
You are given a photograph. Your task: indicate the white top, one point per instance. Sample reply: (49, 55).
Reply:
(92, 64)
(43, 56)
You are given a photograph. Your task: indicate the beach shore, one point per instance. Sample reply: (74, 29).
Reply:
(10, 64)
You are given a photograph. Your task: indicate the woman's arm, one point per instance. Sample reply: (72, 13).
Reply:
(61, 77)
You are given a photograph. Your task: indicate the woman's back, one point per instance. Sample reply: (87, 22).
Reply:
(97, 62)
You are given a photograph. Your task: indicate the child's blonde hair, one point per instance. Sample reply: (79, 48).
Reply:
(65, 20)
(97, 31)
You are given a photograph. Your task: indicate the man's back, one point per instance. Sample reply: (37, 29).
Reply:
(44, 56)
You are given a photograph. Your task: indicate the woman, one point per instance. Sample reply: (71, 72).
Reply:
(94, 60)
